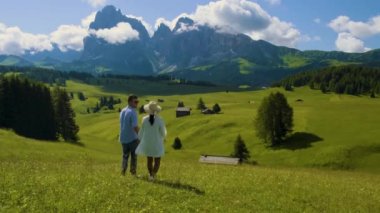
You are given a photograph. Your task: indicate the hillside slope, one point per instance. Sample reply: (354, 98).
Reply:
(334, 131)
(41, 176)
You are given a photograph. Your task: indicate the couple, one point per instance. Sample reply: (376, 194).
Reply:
(147, 141)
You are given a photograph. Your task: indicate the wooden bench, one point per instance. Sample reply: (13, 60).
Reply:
(219, 160)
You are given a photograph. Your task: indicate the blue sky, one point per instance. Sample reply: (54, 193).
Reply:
(303, 24)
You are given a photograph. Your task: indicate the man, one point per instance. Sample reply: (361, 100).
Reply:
(128, 134)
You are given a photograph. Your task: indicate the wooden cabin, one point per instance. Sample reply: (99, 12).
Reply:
(213, 159)
(182, 111)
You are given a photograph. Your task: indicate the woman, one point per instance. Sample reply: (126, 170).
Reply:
(151, 136)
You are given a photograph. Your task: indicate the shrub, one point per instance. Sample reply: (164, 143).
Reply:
(177, 143)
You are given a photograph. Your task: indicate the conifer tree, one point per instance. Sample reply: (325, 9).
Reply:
(65, 116)
(216, 108)
(240, 150)
(201, 105)
(181, 104)
(1, 102)
(177, 143)
(373, 94)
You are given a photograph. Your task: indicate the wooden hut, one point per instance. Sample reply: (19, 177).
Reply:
(182, 111)
(213, 159)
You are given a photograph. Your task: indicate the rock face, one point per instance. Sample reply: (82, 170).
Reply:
(187, 45)
(131, 57)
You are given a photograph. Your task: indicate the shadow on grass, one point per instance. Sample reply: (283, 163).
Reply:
(299, 140)
(78, 143)
(176, 185)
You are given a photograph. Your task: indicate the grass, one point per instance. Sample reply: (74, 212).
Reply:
(342, 129)
(202, 68)
(245, 66)
(334, 62)
(43, 176)
(330, 163)
(293, 61)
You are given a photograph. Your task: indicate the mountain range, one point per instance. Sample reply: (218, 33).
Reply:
(188, 51)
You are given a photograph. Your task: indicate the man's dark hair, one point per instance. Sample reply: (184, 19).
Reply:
(132, 97)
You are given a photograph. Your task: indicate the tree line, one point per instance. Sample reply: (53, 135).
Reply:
(32, 110)
(353, 80)
(49, 76)
(105, 101)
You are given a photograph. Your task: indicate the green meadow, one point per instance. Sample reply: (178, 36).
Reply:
(330, 163)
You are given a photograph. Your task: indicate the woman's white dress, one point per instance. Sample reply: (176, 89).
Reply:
(151, 137)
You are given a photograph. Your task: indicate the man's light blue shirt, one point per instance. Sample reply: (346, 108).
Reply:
(128, 121)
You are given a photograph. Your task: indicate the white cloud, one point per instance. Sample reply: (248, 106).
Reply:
(279, 33)
(96, 3)
(88, 20)
(160, 21)
(351, 33)
(69, 37)
(185, 28)
(117, 35)
(240, 16)
(274, 2)
(147, 26)
(357, 28)
(13, 41)
(171, 24)
(317, 20)
(348, 43)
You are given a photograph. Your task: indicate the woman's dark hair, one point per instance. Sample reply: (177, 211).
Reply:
(151, 119)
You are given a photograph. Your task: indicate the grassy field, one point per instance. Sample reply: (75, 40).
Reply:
(330, 163)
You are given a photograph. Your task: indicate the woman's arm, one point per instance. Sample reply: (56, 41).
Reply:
(162, 128)
(141, 131)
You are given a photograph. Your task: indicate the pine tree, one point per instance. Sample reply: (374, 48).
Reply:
(288, 87)
(216, 108)
(81, 96)
(1, 102)
(311, 85)
(323, 88)
(65, 116)
(181, 104)
(177, 143)
(96, 108)
(27, 108)
(373, 94)
(201, 105)
(240, 150)
(111, 103)
(7, 102)
(48, 128)
(274, 119)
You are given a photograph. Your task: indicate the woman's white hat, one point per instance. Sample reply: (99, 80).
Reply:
(152, 108)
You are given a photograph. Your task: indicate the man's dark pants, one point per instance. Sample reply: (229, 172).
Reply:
(129, 150)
